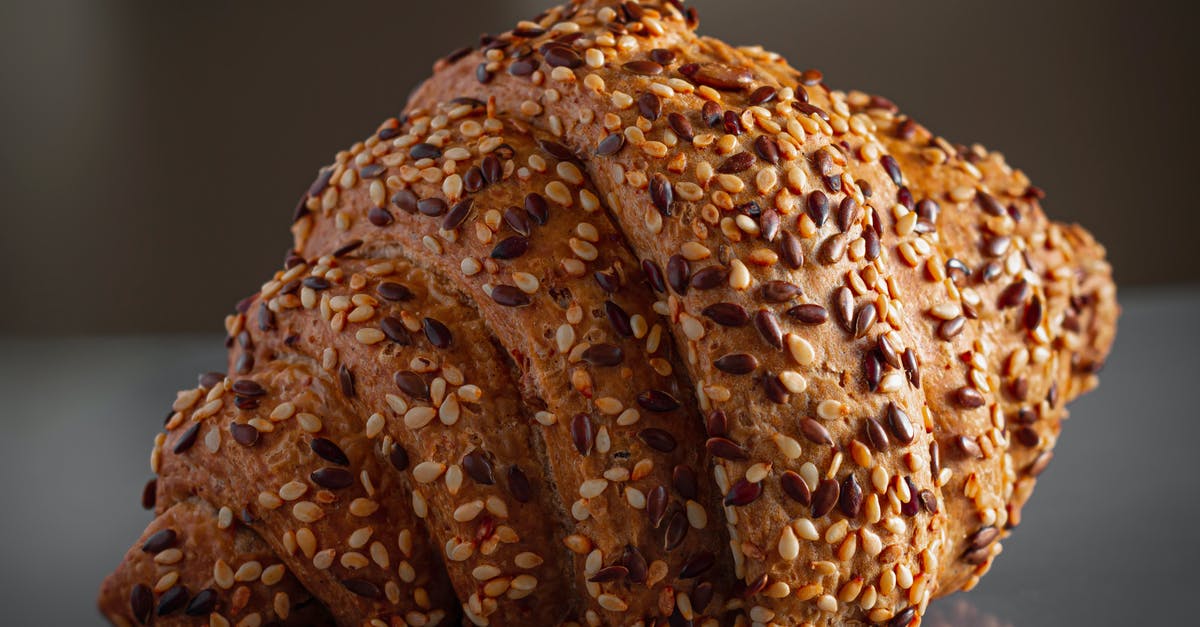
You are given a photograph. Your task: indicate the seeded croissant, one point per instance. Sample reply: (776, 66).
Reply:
(619, 325)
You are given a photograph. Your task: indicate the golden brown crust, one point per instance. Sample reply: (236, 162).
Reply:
(189, 568)
(648, 256)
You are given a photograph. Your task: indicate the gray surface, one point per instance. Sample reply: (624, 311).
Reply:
(1107, 539)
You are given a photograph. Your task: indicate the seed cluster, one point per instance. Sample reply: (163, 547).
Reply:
(597, 260)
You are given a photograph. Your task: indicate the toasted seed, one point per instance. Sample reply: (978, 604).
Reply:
(725, 449)
(743, 493)
(901, 426)
(650, 106)
(709, 277)
(851, 498)
(643, 67)
(739, 162)
(682, 126)
(662, 194)
(657, 401)
(815, 431)
(721, 77)
(727, 314)
(610, 145)
(562, 56)
(658, 439)
(790, 251)
(864, 319)
(780, 291)
(767, 149)
(581, 433)
(818, 207)
(794, 486)
(969, 447)
(969, 397)
(737, 363)
(768, 327)
(876, 435)
(825, 497)
(843, 307)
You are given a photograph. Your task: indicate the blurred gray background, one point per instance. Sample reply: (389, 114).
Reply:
(152, 152)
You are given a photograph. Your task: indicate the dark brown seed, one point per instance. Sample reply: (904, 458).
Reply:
(379, 216)
(332, 478)
(791, 252)
(848, 213)
(432, 206)
(649, 106)
(248, 387)
(725, 449)
(412, 384)
(1013, 295)
(473, 180)
(492, 169)
(159, 541)
(510, 296)
(348, 248)
(716, 423)
(609, 573)
(774, 389)
(518, 485)
(876, 435)
(722, 77)
(172, 600)
(833, 249)
(780, 291)
(518, 220)
(815, 431)
(727, 314)
(678, 274)
(362, 588)
(864, 319)
(657, 401)
(186, 440)
(811, 77)
(1027, 436)
(677, 529)
(581, 433)
(658, 439)
(969, 397)
(737, 163)
(697, 565)
(243, 433)
(872, 369)
(478, 468)
(889, 354)
(793, 485)
(610, 145)
(824, 163)
(141, 602)
(968, 447)
(437, 333)
(395, 331)
(1033, 314)
(322, 180)
(892, 168)
(767, 324)
(762, 95)
(935, 459)
(398, 457)
(510, 247)
(929, 501)
(732, 123)
(316, 283)
(556, 150)
(851, 499)
(562, 56)
(682, 126)
(662, 56)
(737, 363)
(818, 207)
(902, 619)
(825, 497)
(809, 109)
(328, 451)
(662, 194)
(756, 586)
(656, 505)
(424, 151)
(901, 426)
(743, 493)
(983, 537)
(523, 67)
(769, 225)
(150, 494)
(346, 381)
(912, 368)
(633, 560)
(709, 277)
(618, 318)
(202, 604)
(536, 207)
(685, 481)
(654, 276)
(871, 238)
(711, 113)
(394, 291)
(603, 355)
(457, 215)
(989, 204)
(948, 329)
(767, 149)
(371, 171)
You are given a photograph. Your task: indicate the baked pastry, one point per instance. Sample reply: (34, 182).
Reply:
(616, 324)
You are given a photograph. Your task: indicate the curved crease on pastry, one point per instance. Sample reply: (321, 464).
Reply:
(619, 325)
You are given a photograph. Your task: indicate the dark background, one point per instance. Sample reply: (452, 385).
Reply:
(151, 153)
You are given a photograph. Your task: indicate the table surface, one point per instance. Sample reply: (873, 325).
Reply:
(1108, 538)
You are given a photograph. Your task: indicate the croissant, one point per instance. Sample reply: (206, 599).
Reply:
(620, 325)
